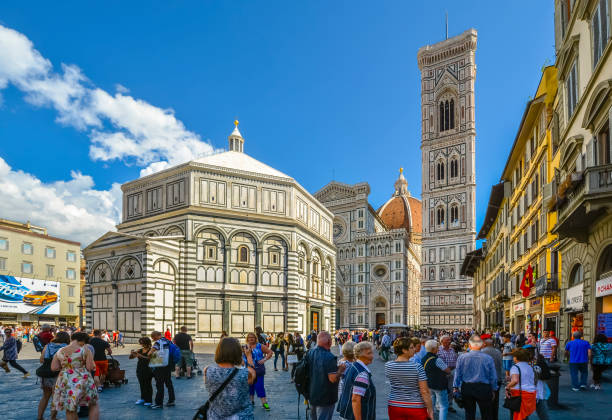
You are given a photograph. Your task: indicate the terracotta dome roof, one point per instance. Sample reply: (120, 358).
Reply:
(402, 211)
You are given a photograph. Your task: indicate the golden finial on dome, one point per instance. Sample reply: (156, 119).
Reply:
(401, 170)
(236, 123)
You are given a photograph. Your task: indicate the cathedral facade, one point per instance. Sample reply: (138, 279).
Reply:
(378, 255)
(221, 243)
(448, 73)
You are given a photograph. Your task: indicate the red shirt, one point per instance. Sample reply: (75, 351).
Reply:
(168, 335)
(45, 337)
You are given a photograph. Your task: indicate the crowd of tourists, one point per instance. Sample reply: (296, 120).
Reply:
(428, 371)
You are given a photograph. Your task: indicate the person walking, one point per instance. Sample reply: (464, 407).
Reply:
(358, 399)
(409, 395)
(579, 353)
(10, 353)
(436, 371)
(185, 343)
(548, 347)
(233, 401)
(601, 359)
(61, 340)
(449, 357)
(278, 347)
(489, 348)
(162, 374)
(475, 377)
(385, 346)
(101, 347)
(292, 358)
(522, 383)
(75, 385)
(324, 374)
(348, 358)
(143, 371)
(260, 354)
(507, 358)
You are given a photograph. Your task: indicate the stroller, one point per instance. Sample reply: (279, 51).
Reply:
(115, 376)
(196, 369)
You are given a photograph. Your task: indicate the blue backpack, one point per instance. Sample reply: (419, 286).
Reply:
(175, 353)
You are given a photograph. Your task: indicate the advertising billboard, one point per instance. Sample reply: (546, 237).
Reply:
(22, 295)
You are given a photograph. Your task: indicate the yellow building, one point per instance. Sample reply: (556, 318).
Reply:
(528, 174)
(39, 276)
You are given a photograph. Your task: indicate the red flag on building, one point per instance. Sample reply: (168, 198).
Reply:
(527, 282)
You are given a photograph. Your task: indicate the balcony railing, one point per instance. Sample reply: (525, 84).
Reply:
(546, 284)
(592, 187)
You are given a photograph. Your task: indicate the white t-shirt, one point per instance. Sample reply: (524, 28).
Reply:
(527, 376)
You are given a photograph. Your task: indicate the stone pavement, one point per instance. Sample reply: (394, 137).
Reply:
(19, 397)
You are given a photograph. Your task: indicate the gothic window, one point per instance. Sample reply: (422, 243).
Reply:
(359, 299)
(441, 274)
(397, 296)
(454, 214)
(432, 274)
(452, 114)
(379, 250)
(353, 253)
(440, 171)
(441, 116)
(446, 116)
(243, 254)
(440, 216)
(387, 250)
(452, 273)
(341, 254)
(454, 168)
(372, 250)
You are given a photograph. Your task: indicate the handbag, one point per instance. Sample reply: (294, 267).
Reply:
(161, 357)
(514, 403)
(202, 412)
(44, 370)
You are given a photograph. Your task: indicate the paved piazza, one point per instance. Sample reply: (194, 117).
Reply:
(19, 397)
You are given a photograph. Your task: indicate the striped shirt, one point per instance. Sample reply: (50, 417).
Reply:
(448, 356)
(362, 381)
(546, 346)
(404, 378)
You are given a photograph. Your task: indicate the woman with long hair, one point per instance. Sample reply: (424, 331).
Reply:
(291, 354)
(601, 358)
(278, 347)
(74, 382)
(260, 353)
(143, 371)
(522, 383)
(61, 340)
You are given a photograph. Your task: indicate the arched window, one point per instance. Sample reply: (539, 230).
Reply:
(441, 116)
(359, 299)
(454, 214)
(452, 273)
(440, 171)
(452, 113)
(441, 274)
(386, 249)
(353, 253)
(397, 296)
(432, 274)
(576, 276)
(379, 250)
(341, 254)
(446, 116)
(454, 168)
(440, 216)
(243, 254)
(372, 250)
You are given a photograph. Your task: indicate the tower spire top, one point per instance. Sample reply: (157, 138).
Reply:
(236, 141)
(401, 185)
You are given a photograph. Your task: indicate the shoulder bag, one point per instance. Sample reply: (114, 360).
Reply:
(202, 412)
(514, 403)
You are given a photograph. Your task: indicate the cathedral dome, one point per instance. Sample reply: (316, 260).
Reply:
(402, 210)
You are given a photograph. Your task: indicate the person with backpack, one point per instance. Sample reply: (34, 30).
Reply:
(601, 359)
(436, 371)
(162, 365)
(11, 347)
(47, 382)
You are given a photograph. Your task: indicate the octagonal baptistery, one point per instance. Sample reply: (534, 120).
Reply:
(220, 243)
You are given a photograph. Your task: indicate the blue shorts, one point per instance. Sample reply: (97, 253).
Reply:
(508, 364)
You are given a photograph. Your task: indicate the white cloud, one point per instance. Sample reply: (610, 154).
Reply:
(119, 126)
(71, 209)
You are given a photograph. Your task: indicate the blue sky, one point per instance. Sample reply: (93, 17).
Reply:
(322, 89)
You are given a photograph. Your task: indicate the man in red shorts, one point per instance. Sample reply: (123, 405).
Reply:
(101, 347)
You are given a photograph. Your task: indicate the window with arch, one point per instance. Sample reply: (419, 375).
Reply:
(440, 171)
(353, 253)
(398, 296)
(447, 114)
(432, 274)
(440, 216)
(387, 250)
(452, 273)
(359, 299)
(379, 250)
(454, 168)
(441, 274)
(372, 250)
(576, 276)
(454, 215)
(243, 254)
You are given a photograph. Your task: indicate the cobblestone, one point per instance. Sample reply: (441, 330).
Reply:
(19, 397)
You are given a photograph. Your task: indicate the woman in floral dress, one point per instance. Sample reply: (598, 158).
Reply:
(75, 385)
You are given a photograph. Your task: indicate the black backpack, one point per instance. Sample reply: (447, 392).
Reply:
(301, 377)
(545, 370)
(38, 345)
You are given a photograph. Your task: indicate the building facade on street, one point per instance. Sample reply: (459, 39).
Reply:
(221, 243)
(583, 185)
(39, 276)
(517, 229)
(378, 259)
(448, 73)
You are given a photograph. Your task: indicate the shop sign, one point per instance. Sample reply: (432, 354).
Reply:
(604, 324)
(573, 298)
(603, 287)
(535, 305)
(519, 306)
(552, 304)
